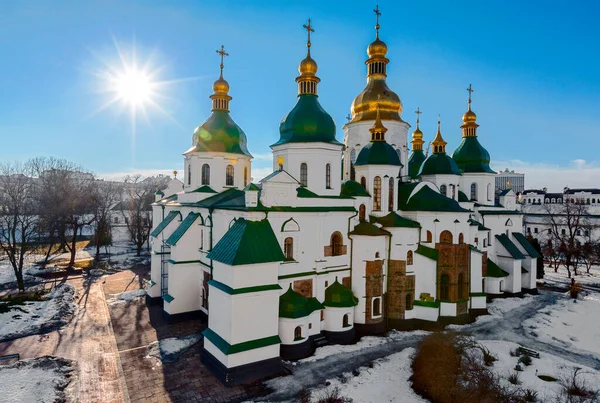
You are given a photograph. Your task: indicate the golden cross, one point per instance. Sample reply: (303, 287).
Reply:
(470, 89)
(349, 118)
(377, 14)
(418, 112)
(309, 29)
(223, 54)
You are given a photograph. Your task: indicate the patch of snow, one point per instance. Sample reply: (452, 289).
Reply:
(170, 349)
(41, 379)
(126, 296)
(37, 317)
(569, 324)
(560, 278)
(545, 365)
(364, 342)
(496, 309)
(8, 280)
(387, 381)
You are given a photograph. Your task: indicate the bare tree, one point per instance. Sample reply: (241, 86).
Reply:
(18, 218)
(136, 208)
(567, 223)
(108, 194)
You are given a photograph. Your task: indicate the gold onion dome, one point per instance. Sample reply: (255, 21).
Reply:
(221, 85)
(469, 115)
(308, 67)
(377, 48)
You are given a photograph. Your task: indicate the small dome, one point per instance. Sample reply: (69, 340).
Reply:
(293, 305)
(415, 161)
(308, 67)
(221, 86)
(339, 296)
(377, 48)
(469, 116)
(378, 153)
(471, 157)
(220, 134)
(353, 188)
(417, 134)
(439, 164)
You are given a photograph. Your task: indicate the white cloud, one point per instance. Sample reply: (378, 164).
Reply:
(577, 174)
(259, 173)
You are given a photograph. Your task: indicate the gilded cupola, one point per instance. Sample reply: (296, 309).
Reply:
(439, 163)
(308, 80)
(378, 151)
(221, 96)
(376, 93)
(417, 157)
(417, 136)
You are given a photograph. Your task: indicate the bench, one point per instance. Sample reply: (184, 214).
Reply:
(4, 359)
(528, 352)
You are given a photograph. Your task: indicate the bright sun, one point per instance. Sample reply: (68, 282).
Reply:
(134, 87)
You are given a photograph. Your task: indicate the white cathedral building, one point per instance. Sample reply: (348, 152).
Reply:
(341, 240)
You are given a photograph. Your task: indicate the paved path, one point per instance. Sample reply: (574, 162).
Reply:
(89, 340)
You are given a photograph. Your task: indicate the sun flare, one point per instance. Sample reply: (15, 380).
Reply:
(134, 87)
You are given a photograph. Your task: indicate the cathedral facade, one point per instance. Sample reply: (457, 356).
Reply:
(341, 240)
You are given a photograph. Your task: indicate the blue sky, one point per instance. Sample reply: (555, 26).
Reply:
(533, 65)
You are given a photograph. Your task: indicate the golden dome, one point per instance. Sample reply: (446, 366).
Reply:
(308, 67)
(417, 134)
(375, 94)
(221, 85)
(469, 116)
(377, 48)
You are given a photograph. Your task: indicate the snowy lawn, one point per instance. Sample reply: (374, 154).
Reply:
(37, 317)
(126, 296)
(496, 309)
(122, 256)
(548, 365)
(569, 324)
(8, 279)
(561, 278)
(363, 343)
(170, 349)
(386, 381)
(36, 380)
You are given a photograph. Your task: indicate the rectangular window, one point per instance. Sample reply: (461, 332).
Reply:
(377, 194)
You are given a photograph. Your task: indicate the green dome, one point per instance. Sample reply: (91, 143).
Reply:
(307, 122)
(439, 164)
(353, 188)
(293, 305)
(414, 163)
(338, 296)
(220, 134)
(378, 153)
(470, 156)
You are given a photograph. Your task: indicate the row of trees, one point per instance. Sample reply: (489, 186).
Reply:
(46, 202)
(571, 237)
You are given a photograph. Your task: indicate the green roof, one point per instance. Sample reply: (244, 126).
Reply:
(182, 229)
(204, 189)
(462, 197)
(439, 164)
(505, 192)
(163, 224)
(229, 197)
(252, 186)
(368, 229)
(526, 245)
(425, 199)
(426, 251)
(159, 192)
(314, 305)
(293, 305)
(470, 156)
(510, 246)
(493, 270)
(353, 188)
(247, 242)
(479, 225)
(395, 220)
(378, 153)
(220, 134)
(416, 159)
(307, 122)
(499, 212)
(338, 296)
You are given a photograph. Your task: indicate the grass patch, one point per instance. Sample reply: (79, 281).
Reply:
(547, 378)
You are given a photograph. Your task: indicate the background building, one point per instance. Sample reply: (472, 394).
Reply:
(510, 180)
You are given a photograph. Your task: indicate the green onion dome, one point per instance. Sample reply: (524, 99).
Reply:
(439, 164)
(353, 188)
(220, 134)
(293, 305)
(338, 296)
(378, 153)
(470, 156)
(417, 157)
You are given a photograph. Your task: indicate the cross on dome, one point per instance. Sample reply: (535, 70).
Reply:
(377, 14)
(471, 90)
(223, 54)
(418, 113)
(309, 29)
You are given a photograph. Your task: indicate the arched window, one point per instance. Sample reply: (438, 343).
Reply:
(346, 321)
(206, 174)
(363, 182)
(429, 237)
(391, 195)
(409, 302)
(443, 190)
(444, 287)
(229, 175)
(489, 191)
(245, 176)
(593, 201)
(453, 191)
(461, 238)
(508, 223)
(409, 258)
(352, 156)
(288, 248)
(189, 174)
(303, 174)
(297, 333)
(461, 287)
(328, 176)
(336, 244)
(376, 255)
(377, 307)
(446, 237)
(377, 194)
(362, 213)
(201, 239)
(473, 191)
(529, 201)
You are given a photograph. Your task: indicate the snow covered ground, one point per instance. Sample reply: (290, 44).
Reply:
(170, 349)
(547, 364)
(569, 324)
(386, 381)
(122, 256)
(496, 309)
(126, 296)
(8, 279)
(37, 317)
(36, 380)
(560, 278)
